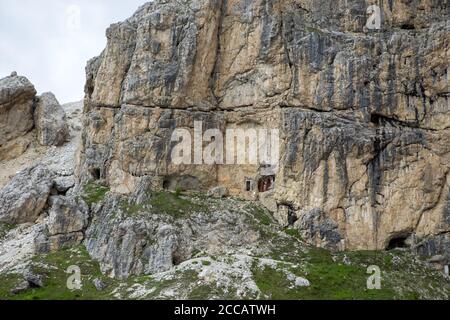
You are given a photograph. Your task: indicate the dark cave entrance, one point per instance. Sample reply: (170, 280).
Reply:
(95, 173)
(176, 258)
(376, 119)
(398, 242)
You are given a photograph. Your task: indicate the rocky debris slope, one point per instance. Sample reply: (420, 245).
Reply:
(363, 114)
(37, 207)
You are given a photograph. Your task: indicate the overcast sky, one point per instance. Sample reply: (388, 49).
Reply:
(50, 41)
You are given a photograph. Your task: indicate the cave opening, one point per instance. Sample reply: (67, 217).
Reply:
(95, 173)
(166, 184)
(376, 119)
(398, 242)
(176, 259)
(408, 26)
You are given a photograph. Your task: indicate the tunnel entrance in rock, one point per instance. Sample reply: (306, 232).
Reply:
(398, 242)
(266, 183)
(95, 173)
(166, 184)
(376, 119)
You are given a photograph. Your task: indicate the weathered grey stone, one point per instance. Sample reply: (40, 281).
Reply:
(99, 284)
(147, 242)
(319, 230)
(67, 215)
(67, 220)
(16, 107)
(34, 280)
(20, 287)
(24, 198)
(50, 120)
(63, 184)
(16, 115)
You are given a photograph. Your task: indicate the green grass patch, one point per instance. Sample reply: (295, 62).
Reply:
(260, 214)
(5, 228)
(329, 281)
(166, 203)
(293, 233)
(52, 267)
(206, 263)
(94, 193)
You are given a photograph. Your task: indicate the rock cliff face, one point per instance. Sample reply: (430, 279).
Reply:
(363, 114)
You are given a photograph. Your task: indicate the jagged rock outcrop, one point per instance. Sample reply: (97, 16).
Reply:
(132, 237)
(68, 218)
(363, 115)
(50, 121)
(28, 120)
(25, 197)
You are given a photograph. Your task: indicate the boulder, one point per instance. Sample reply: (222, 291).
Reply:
(64, 183)
(67, 220)
(50, 120)
(67, 215)
(33, 279)
(16, 107)
(24, 198)
(20, 287)
(99, 284)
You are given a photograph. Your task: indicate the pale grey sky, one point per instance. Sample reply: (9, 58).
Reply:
(50, 41)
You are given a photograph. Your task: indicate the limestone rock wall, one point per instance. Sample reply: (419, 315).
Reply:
(363, 115)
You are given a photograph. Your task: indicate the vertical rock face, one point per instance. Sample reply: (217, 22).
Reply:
(50, 121)
(363, 114)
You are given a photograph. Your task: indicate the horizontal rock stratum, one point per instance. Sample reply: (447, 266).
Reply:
(363, 114)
